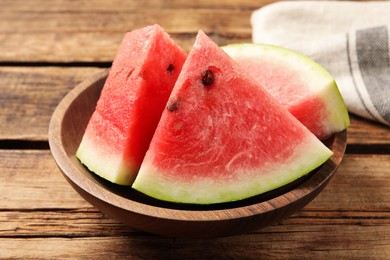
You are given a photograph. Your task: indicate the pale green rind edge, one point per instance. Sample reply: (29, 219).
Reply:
(324, 83)
(152, 182)
(110, 168)
(338, 117)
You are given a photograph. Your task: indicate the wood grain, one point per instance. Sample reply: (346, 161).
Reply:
(30, 95)
(33, 31)
(70, 47)
(282, 242)
(30, 180)
(363, 131)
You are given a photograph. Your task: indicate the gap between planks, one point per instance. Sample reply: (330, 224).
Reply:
(75, 64)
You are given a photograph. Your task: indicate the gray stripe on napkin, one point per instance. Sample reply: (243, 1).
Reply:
(372, 48)
(353, 78)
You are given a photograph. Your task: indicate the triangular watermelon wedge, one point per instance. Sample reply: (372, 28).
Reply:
(222, 137)
(307, 90)
(134, 95)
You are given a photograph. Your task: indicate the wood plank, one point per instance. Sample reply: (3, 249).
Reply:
(363, 131)
(361, 183)
(309, 241)
(118, 5)
(30, 179)
(172, 20)
(60, 222)
(67, 47)
(22, 88)
(30, 95)
(87, 222)
(68, 33)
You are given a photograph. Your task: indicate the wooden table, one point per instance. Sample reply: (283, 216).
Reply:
(47, 47)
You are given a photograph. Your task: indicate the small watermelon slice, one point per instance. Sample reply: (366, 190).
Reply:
(222, 137)
(308, 91)
(137, 88)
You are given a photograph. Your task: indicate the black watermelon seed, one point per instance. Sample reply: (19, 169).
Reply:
(170, 68)
(172, 107)
(207, 78)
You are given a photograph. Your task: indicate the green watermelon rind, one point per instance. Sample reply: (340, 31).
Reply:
(109, 168)
(208, 191)
(321, 81)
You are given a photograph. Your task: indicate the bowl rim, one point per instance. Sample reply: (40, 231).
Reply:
(70, 171)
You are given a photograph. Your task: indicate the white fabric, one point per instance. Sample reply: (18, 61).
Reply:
(350, 39)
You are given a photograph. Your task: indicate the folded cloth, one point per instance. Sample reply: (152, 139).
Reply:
(349, 39)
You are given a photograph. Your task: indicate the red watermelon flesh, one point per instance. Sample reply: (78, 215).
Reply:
(307, 90)
(137, 88)
(222, 137)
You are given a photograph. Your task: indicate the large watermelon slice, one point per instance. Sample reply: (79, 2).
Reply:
(222, 137)
(138, 86)
(307, 90)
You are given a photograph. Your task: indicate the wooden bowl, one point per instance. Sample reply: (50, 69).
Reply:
(170, 219)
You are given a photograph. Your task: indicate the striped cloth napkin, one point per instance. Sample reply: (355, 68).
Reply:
(350, 39)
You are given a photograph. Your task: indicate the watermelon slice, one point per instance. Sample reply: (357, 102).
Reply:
(222, 137)
(137, 88)
(307, 90)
